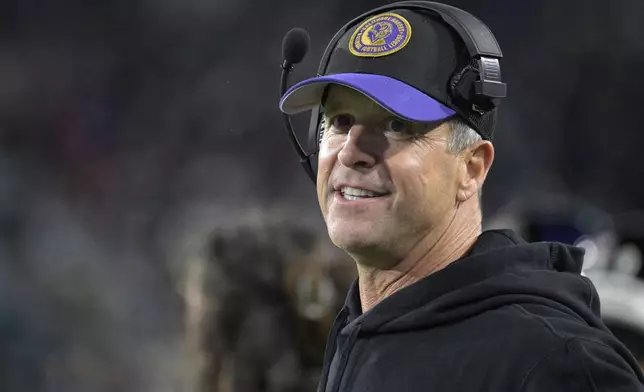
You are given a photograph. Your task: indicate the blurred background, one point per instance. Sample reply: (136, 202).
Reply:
(157, 233)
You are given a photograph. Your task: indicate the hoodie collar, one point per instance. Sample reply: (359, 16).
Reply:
(494, 252)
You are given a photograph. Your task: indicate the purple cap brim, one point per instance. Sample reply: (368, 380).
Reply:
(393, 95)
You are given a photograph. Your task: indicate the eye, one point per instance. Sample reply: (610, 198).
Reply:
(342, 121)
(397, 125)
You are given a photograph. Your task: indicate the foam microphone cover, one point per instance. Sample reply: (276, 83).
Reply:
(295, 45)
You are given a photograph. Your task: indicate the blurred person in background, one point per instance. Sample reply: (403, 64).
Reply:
(270, 294)
(613, 258)
(405, 145)
(620, 282)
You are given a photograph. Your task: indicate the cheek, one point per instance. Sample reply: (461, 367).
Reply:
(326, 160)
(427, 181)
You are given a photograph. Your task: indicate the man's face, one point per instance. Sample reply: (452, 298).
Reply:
(383, 183)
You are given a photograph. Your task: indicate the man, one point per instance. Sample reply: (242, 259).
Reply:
(260, 305)
(244, 323)
(438, 305)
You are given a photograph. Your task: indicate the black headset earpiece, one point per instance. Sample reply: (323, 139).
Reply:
(463, 90)
(477, 86)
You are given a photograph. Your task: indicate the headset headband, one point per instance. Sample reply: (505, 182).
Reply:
(478, 38)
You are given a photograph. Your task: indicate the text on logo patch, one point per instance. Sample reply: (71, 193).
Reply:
(380, 35)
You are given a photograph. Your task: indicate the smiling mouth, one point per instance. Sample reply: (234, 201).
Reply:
(350, 193)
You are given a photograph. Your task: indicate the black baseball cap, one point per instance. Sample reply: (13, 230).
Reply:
(405, 60)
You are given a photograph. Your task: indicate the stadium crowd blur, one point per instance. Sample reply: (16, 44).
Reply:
(157, 233)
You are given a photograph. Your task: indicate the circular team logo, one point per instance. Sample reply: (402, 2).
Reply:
(380, 35)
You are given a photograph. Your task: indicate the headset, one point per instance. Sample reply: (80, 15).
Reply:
(479, 85)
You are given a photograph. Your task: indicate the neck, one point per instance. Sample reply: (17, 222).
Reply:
(445, 244)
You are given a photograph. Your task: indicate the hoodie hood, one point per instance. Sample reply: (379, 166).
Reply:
(500, 269)
(535, 308)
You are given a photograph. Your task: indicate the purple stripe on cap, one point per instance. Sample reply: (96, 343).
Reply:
(393, 95)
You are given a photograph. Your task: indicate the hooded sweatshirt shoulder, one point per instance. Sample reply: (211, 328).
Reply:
(509, 316)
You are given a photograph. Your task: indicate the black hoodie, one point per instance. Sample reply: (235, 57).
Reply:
(509, 316)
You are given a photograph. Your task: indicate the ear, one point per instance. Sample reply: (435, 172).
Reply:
(476, 163)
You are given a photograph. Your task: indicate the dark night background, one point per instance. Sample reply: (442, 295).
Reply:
(129, 130)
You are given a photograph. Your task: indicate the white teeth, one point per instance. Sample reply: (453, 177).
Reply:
(349, 197)
(349, 191)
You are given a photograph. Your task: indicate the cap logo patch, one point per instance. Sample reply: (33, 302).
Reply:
(380, 35)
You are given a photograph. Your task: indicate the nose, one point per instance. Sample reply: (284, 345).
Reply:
(359, 150)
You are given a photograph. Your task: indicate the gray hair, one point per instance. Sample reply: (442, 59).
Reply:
(462, 136)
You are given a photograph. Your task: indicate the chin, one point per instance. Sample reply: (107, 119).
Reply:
(353, 239)
(346, 237)
(367, 250)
